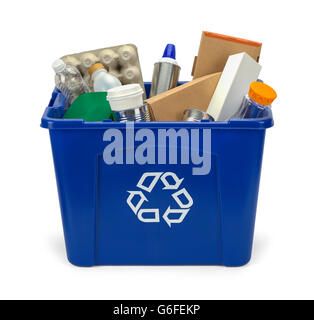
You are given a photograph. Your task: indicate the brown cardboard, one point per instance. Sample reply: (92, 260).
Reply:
(194, 65)
(215, 49)
(196, 94)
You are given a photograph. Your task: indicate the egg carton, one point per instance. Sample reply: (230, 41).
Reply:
(120, 61)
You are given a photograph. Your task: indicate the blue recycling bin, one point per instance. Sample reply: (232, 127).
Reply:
(157, 193)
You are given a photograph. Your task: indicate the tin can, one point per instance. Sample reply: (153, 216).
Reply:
(194, 115)
(134, 114)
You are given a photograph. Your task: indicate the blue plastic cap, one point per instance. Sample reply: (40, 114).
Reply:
(170, 51)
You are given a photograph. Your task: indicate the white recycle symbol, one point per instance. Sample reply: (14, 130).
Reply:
(184, 207)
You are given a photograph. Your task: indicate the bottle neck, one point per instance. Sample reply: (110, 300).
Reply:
(97, 72)
(169, 60)
(256, 103)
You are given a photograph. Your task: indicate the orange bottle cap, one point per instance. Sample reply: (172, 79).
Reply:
(262, 93)
(95, 67)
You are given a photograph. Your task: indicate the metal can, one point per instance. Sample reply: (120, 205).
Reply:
(134, 114)
(195, 115)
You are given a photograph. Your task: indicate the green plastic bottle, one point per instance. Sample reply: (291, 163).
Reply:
(91, 106)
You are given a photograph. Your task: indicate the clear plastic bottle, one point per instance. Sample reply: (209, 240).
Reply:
(259, 98)
(102, 80)
(69, 81)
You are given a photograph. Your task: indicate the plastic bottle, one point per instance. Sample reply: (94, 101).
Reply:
(259, 98)
(166, 72)
(103, 81)
(69, 81)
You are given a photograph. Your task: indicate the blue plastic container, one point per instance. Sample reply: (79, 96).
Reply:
(103, 206)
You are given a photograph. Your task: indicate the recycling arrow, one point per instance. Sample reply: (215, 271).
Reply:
(189, 199)
(139, 204)
(169, 221)
(171, 182)
(169, 186)
(149, 188)
(149, 220)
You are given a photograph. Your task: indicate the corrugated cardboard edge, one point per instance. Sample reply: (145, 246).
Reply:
(232, 39)
(206, 34)
(194, 65)
(174, 91)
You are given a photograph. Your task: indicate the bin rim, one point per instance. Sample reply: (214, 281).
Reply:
(51, 120)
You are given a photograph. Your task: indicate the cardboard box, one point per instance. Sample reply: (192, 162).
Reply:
(170, 105)
(215, 50)
(240, 71)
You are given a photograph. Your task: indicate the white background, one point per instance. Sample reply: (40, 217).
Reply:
(33, 262)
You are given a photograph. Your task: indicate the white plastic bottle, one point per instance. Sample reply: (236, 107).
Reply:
(69, 81)
(102, 80)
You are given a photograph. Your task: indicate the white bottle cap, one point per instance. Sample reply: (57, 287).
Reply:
(58, 66)
(125, 97)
